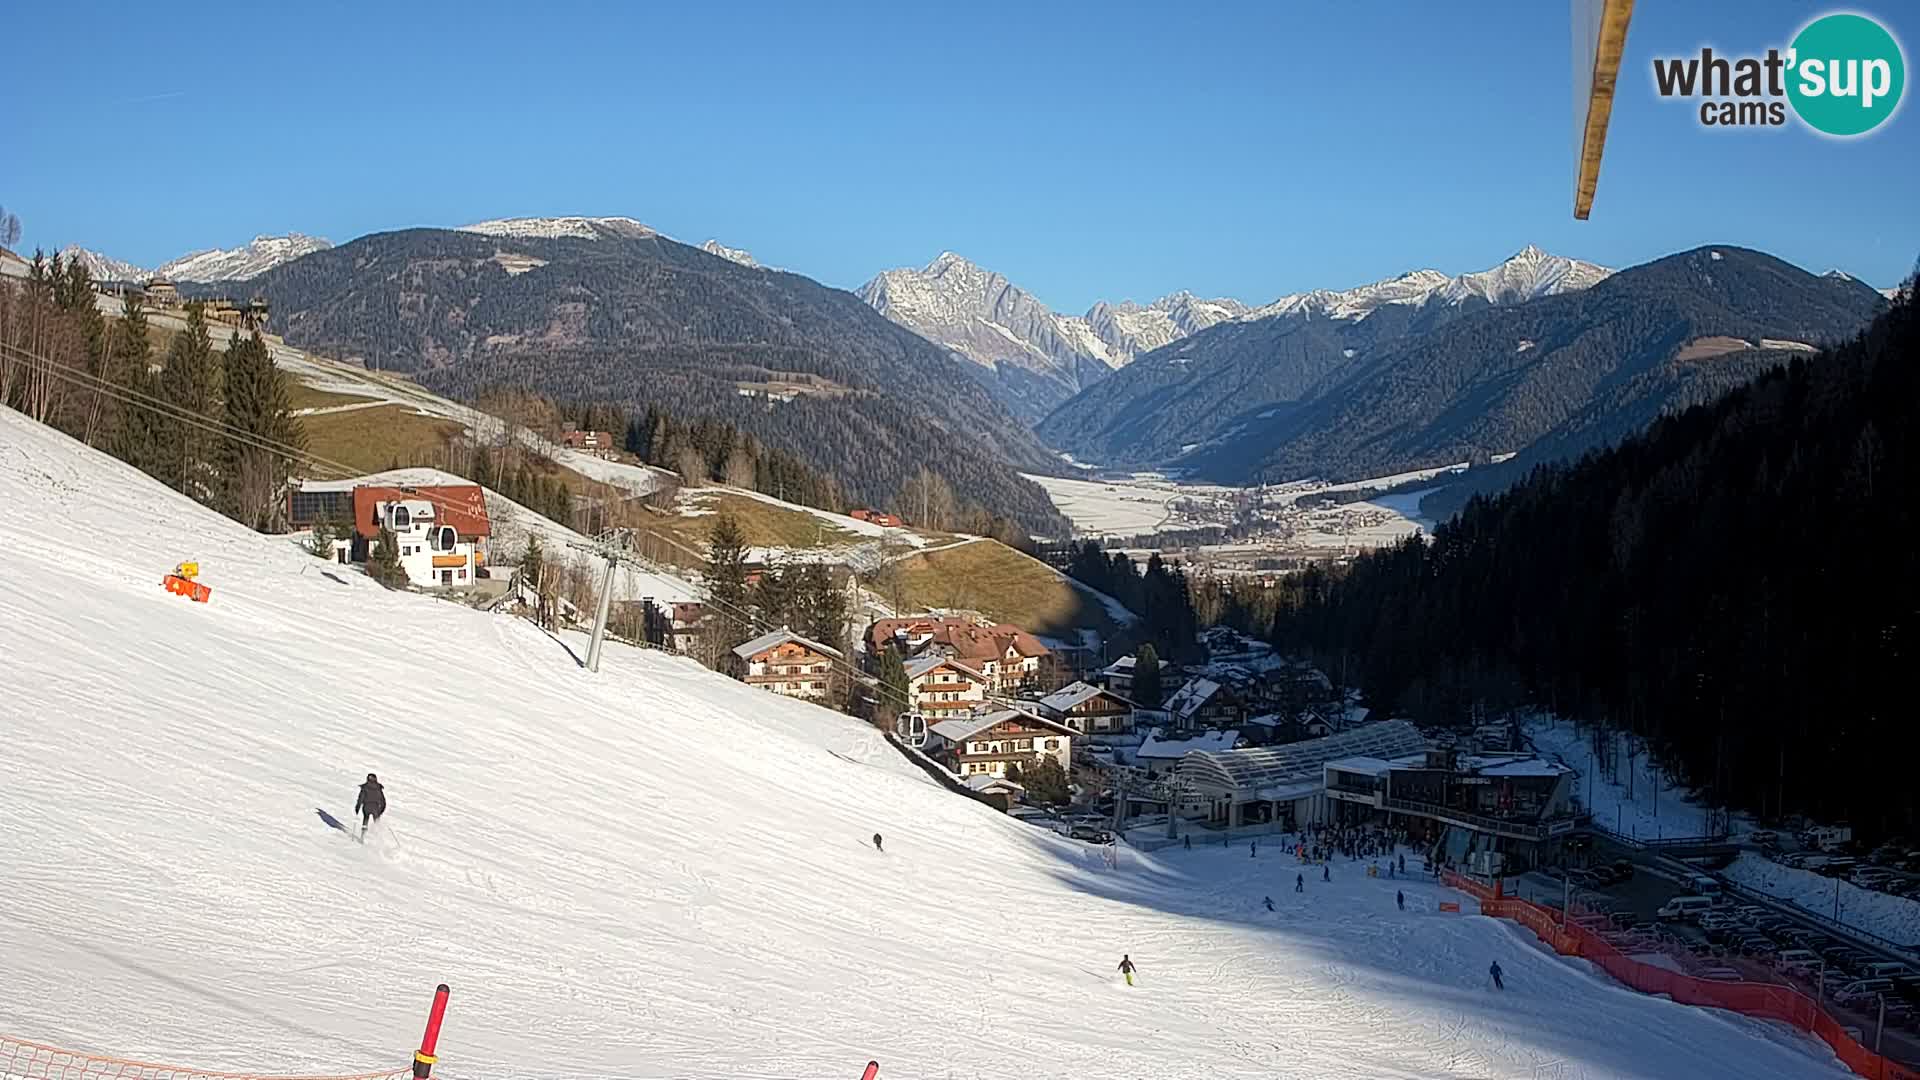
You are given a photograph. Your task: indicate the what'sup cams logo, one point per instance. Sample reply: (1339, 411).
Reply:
(1842, 76)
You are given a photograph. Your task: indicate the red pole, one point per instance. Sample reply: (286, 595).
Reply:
(873, 1070)
(423, 1058)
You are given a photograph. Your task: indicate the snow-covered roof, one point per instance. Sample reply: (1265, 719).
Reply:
(1189, 699)
(922, 665)
(1166, 749)
(1363, 765)
(962, 728)
(987, 782)
(1126, 664)
(780, 637)
(1516, 767)
(1249, 771)
(1074, 694)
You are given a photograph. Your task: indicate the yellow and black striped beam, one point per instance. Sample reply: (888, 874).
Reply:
(1608, 42)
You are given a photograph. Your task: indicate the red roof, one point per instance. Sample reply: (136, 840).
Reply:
(463, 506)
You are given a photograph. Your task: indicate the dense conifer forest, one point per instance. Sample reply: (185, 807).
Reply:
(1739, 585)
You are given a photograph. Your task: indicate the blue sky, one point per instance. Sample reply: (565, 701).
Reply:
(1085, 150)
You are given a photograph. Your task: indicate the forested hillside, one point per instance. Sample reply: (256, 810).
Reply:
(1740, 585)
(1499, 380)
(642, 321)
(1405, 387)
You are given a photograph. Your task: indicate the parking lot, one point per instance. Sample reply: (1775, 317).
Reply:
(1739, 941)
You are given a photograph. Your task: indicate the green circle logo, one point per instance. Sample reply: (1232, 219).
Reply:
(1846, 74)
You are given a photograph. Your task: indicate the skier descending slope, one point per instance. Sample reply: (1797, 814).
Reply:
(1126, 967)
(1495, 972)
(876, 843)
(370, 803)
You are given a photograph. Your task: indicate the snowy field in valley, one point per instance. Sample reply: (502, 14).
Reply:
(1654, 810)
(653, 872)
(1149, 503)
(1895, 918)
(1103, 508)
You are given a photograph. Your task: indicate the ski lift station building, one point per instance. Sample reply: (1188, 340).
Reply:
(1512, 802)
(1286, 786)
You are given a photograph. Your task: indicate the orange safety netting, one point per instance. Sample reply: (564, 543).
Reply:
(23, 1060)
(1770, 1001)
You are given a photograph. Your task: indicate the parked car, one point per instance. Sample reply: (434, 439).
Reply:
(1797, 962)
(1758, 947)
(1703, 885)
(1887, 969)
(1090, 834)
(1827, 837)
(1722, 974)
(1862, 990)
(1871, 877)
(1624, 868)
(1763, 836)
(1839, 867)
(1684, 908)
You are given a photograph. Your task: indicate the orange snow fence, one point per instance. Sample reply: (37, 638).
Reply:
(1448, 905)
(1767, 1001)
(22, 1060)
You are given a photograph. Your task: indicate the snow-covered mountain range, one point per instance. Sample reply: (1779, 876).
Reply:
(1529, 274)
(550, 228)
(252, 259)
(1036, 357)
(257, 257)
(734, 255)
(103, 267)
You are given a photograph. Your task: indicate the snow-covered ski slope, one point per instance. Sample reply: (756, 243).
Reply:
(653, 872)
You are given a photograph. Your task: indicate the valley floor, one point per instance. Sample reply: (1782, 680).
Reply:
(649, 872)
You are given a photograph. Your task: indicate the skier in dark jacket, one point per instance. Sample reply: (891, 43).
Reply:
(1269, 903)
(1126, 968)
(1400, 898)
(1187, 842)
(1495, 972)
(370, 803)
(876, 843)
(1326, 872)
(1299, 883)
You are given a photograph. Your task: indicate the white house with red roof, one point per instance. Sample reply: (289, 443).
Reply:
(942, 687)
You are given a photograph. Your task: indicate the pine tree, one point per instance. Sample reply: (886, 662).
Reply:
(135, 429)
(320, 544)
(533, 563)
(188, 384)
(254, 479)
(383, 562)
(822, 606)
(1046, 781)
(1146, 677)
(778, 599)
(894, 694)
(727, 583)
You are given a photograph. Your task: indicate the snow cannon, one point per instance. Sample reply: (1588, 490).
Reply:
(181, 583)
